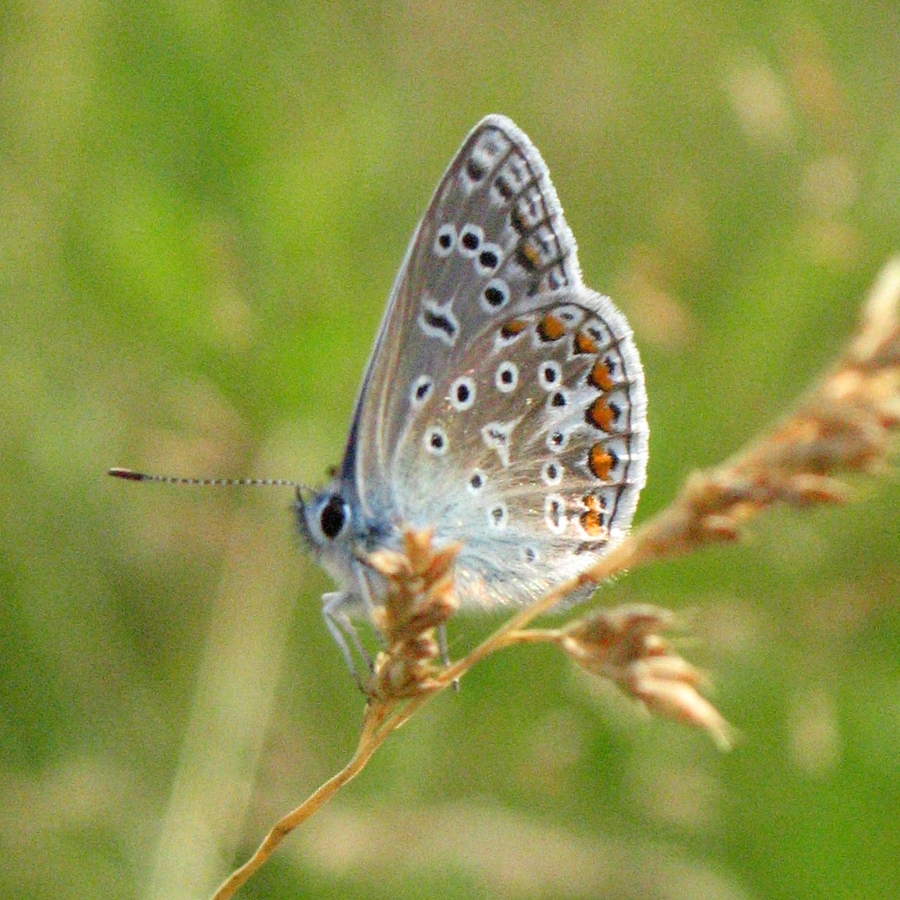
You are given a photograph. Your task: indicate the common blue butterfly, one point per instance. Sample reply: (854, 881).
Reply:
(503, 404)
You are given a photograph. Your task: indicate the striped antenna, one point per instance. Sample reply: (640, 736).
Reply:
(131, 475)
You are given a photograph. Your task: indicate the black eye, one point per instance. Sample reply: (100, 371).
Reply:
(333, 517)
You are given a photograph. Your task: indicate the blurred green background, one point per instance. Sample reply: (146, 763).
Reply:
(203, 207)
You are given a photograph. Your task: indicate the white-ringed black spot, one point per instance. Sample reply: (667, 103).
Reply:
(549, 374)
(557, 441)
(506, 378)
(462, 393)
(476, 482)
(498, 516)
(470, 239)
(439, 321)
(435, 440)
(488, 259)
(421, 390)
(445, 240)
(551, 473)
(558, 399)
(555, 513)
(495, 295)
(529, 554)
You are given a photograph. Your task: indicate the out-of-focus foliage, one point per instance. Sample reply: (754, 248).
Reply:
(202, 207)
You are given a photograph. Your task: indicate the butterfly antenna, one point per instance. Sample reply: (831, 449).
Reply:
(131, 475)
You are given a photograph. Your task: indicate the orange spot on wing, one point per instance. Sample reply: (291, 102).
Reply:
(599, 377)
(551, 328)
(600, 462)
(593, 520)
(531, 254)
(513, 327)
(600, 415)
(592, 502)
(584, 343)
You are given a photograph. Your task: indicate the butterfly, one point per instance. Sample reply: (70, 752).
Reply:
(503, 405)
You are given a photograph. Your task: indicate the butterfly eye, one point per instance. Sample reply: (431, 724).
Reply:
(334, 516)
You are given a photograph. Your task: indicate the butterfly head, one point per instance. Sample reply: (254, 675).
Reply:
(341, 537)
(338, 536)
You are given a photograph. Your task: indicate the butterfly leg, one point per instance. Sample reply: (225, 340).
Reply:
(445, 652)
(442, 643)
(341, 628)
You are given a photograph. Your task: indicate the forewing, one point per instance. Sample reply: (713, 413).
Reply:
(492, 239)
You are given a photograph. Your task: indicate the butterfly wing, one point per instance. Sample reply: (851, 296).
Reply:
(504, 403)
(532, 450)
(497, 184)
